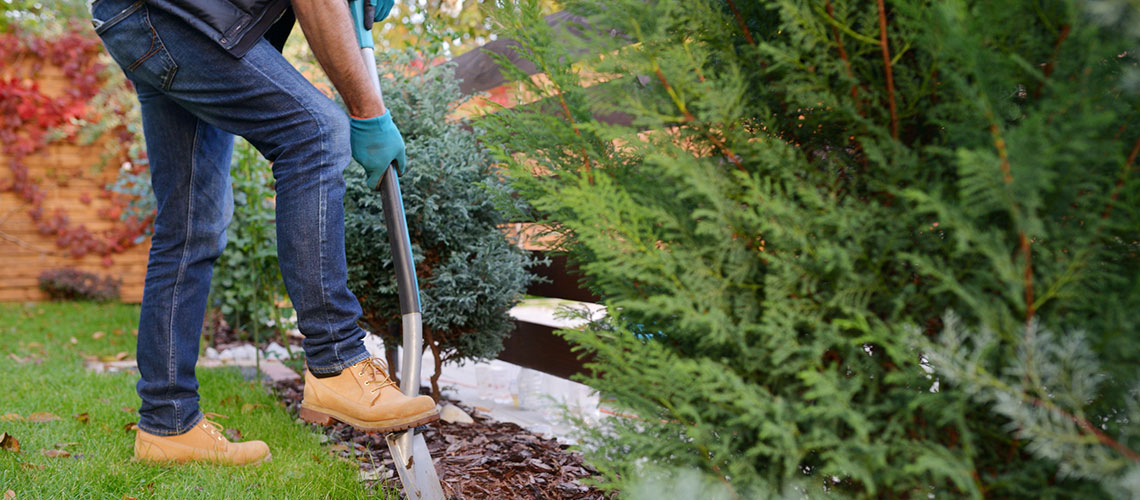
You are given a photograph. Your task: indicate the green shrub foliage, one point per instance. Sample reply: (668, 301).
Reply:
(247, 286)
(469, 274)
(798, 196)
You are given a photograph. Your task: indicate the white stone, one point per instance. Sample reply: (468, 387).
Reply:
(245, 352)
(277, 351)
(452, 414)
(211, 353)
(374, 345)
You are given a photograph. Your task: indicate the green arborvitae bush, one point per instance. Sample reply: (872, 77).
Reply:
(246, 285)
(469, 274)
(801, 196)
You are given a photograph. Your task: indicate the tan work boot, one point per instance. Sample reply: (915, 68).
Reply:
(203, 443)
(364, 397)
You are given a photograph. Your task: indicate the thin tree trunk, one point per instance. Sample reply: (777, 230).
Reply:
(435, 354)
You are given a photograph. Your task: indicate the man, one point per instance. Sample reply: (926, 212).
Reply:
(204, 72)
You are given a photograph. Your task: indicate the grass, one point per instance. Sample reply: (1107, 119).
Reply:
(101, 449)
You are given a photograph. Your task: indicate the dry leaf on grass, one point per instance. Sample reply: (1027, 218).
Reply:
(35, 360)
(232, 398)
(9, 495)
(56, 453)
(127, 409)
(98, 335)
(131, 426)
(9, 443)
(129, 498)
(42, 416)
(11, 417)
(248, 407)
(119, 356)
(82, 417)
(73, 341)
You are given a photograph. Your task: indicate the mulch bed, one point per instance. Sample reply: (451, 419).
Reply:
(483, 460)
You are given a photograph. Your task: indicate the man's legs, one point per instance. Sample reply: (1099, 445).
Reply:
(192, 91)
(190, 163)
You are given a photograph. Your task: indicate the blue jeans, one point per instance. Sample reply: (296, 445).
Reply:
(195, 97)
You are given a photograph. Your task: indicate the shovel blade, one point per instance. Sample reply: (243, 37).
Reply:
(413, 464)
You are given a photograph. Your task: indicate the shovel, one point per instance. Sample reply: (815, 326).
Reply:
(409, 450)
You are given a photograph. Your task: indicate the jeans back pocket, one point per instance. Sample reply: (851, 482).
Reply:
(127, 33)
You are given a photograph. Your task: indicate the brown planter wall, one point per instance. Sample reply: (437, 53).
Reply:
(24, 253)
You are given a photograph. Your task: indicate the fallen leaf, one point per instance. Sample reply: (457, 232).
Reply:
(117, 331)
(42, 416)
(29, 465)
(248, 407)
(233, 398)
(127, 409)
(131, 426)
(56, 453)
(74, 341)
(338, 447)
(82, 417)
(119, 356)
(135, 332)
(98, 335)
(11, 417)
(129, 498)
(9, 443)
(233, 434)
(35, 360)
(9, 495)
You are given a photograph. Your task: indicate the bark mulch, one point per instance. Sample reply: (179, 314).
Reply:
(483, 460)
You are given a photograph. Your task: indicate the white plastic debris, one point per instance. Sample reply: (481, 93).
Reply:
(453, 414)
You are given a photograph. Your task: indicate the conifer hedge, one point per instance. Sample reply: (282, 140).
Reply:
(849, 248)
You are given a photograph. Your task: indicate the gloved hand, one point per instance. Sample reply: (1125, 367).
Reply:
(376, 143)
(379, 10)
(383, 8)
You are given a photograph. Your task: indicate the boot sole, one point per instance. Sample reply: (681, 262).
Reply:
(322, 416)
(167, 462)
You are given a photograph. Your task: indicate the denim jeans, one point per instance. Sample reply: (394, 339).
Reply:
(195, 97)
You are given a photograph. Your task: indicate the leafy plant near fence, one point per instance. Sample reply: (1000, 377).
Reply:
(247, 285)
(72, 284)
(96, 104)
(469, 274)
(799, 194)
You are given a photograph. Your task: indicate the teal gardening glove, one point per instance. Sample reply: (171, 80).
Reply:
(383, 7)
(377, 143)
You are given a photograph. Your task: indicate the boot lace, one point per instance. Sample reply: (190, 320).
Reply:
(213, 428)
(376, 372)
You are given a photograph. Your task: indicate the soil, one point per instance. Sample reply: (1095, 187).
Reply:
(483, 460)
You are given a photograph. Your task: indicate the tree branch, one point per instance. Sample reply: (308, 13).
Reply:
(887, 64)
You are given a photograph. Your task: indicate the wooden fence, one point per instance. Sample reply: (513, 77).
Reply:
(24, 252)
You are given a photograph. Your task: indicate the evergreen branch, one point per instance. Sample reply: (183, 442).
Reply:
(1123, 177)
(843, 55)
(1052, 60)
(570, 118)
(690, 118)
(846, 29)
(740, 21)
(1023, 241)
(890, 75)
(1087, 426)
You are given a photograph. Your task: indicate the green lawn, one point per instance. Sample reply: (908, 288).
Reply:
(100, 465)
